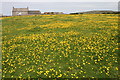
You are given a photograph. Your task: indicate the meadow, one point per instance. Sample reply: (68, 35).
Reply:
(60, 46)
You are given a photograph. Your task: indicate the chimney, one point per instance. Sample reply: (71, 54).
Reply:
(13, 7)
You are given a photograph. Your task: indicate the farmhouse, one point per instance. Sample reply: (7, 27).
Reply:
(24, 11)
(32, 12)
(53, 13)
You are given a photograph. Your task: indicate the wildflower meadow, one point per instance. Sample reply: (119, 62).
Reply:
(60, 46)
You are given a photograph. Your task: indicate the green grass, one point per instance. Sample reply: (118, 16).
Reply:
(67, 46)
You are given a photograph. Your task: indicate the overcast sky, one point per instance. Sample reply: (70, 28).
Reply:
(5, 8)
(60, 0)
(66, 7)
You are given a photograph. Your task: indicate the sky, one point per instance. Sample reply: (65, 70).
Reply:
(59, 5)
(59, 0)
(66, 7)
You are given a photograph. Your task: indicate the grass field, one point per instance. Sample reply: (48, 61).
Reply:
(67, 46)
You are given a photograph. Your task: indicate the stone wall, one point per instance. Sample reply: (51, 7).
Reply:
(19, 13)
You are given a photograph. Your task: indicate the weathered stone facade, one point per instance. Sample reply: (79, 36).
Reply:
(19, 11)
(53, 13)
(24, 11)
(34, 12)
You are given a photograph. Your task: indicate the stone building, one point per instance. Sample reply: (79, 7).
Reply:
(53, 13)
(24, 11)
(32, 12)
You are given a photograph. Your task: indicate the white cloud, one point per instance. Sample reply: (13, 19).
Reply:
(60, 0)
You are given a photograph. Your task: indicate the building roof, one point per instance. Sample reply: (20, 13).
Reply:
(34, 11)
(20, 9)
